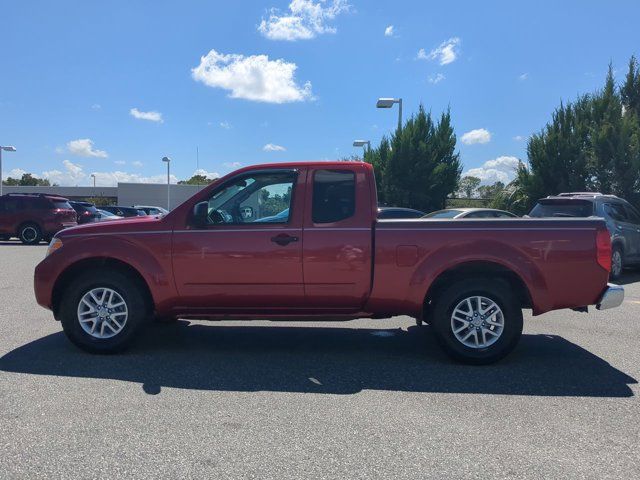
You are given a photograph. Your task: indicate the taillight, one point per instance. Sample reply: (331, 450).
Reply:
(603, 247)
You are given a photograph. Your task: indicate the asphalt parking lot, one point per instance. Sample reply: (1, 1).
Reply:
(364, 399)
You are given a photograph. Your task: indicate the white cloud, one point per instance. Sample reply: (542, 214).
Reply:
(252, 78)
(74, 174)
(232, 164)
(523, 77)
(96, 106)
(445, 53)
(270, 147)
(83, 147)
(204, 173)
(388, 32)
(119, 162)
(519, 138)
(152, 116)
(479, 135)
(304, 20)
(501, 169)
(435, 79)
(226, 125)
(137, 163)
(17, 173)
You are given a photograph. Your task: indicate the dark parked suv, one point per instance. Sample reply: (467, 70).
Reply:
(33, 217)
(623, 222)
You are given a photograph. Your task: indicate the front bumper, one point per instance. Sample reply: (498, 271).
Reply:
(612, 297)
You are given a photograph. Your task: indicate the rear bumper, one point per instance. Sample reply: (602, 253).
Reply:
(612, 297)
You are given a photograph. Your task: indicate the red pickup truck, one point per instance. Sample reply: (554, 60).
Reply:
(300, 241)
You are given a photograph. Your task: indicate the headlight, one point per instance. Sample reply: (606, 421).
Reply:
(54, 245)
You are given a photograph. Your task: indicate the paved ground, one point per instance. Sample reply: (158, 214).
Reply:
(365, 399)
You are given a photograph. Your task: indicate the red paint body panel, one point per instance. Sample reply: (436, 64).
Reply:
(354, 267)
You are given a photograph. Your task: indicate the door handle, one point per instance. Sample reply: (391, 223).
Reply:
(284, 239)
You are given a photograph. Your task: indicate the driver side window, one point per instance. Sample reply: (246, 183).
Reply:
(255, 198)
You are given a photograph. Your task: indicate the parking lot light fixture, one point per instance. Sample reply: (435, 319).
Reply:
(388, 103)
(7, 148)
(168, 162)
(365, 144)
(93, 175)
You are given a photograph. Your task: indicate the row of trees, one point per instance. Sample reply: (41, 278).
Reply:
(27, 180)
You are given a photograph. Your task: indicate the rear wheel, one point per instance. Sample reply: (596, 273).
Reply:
(617, 263)
(101, 313)
(477, 321)
(30, 234)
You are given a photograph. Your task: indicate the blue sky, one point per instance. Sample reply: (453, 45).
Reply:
(111, 87)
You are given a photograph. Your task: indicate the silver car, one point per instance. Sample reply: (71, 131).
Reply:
(623, 222)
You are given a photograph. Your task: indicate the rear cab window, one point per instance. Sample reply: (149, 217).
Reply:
(562, 208)
(334, 195)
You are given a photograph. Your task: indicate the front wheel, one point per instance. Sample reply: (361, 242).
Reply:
(30, 234)
(102, 312)
(477, 321)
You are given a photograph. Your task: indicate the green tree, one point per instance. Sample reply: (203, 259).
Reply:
(590, 144)
(469, 185)
(27, 180)
(418, 166)
(197, 180)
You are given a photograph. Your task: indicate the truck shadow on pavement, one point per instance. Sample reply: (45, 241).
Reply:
(335, 360)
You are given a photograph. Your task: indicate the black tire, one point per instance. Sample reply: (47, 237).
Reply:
(495, 290)
(30, 233)
(127, 288)
(617, 266)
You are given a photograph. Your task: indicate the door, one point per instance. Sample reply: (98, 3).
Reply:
(248, 254)
(337, 238)
(624, 229)
(633, 226)
(8, 215)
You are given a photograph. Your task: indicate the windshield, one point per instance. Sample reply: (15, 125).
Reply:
(443, 214)
(562, 208)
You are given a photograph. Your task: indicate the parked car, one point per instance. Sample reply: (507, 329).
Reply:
(330, 256)
(398, 212)
(470, 213)
(622, 220)
(125, 211)
(105, 216)
(34, 217)
(86, 212)
(149, 210)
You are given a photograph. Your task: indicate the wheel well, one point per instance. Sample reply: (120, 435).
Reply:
(493, 271)
(100, 263)
(618, 244)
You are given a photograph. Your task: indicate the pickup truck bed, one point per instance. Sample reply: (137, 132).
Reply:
(300, 241)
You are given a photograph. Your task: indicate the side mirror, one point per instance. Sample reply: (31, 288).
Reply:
(200, 214)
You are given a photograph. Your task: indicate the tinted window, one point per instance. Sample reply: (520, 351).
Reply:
(562, 208)
(443, 214)
(334, 195)
(399, 214)
(632, 214)
(257, 198)
(615, 212)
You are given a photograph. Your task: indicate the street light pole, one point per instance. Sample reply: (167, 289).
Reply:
(93, 175)
(8, 148)
(388, 103)
(168, 161)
